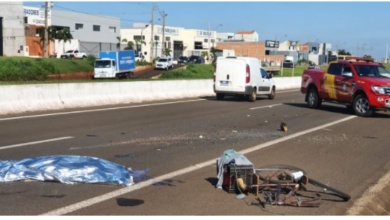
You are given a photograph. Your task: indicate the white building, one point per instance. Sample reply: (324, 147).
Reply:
(180, 41)
(247, 36)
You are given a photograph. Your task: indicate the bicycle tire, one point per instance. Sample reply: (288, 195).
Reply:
(329, 189)
(280, 168)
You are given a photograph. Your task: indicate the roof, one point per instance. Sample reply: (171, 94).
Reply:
(245, 32)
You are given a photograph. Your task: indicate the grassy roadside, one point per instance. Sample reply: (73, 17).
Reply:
(25, 70)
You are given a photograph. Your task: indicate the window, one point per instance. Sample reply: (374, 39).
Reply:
(198, 46)
(112, 29)
(156, 37)
(79, 26)
(264, 74)
(96, 28)
(206, 40)
(25, 20)
(167, 38)
(335, 69)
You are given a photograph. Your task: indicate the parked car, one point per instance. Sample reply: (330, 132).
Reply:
(139, 57)
(182, 60)
(288, 64)
(196, 59)
(74, 54)
(164, 63)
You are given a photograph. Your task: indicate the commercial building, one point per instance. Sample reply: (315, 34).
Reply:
(90, 33)
(152, 42)
(22, 31)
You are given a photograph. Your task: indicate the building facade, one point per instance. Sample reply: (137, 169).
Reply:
(12, 37)
(177, 40)
(90, 33)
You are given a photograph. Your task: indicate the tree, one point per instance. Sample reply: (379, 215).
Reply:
(130, 45)
(50, 34)
(214, 52)
(343, 52)
(138, 43)
(167, 52)
(64, 35)
(120, 40)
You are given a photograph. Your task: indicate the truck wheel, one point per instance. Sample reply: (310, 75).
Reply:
(361, 106)
(313, 100)
(220, 96)
(272, 95)
(253, 96)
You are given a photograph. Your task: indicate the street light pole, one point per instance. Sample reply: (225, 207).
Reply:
(151, 36)
(163, 15)
(46, 35)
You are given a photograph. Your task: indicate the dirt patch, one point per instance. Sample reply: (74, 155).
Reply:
(89, 75)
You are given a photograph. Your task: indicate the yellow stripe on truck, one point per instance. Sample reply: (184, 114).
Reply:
(329, 85)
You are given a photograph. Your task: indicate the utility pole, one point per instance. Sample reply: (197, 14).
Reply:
(46, 35)
(152, 36)
(209, 35)
(163, 15)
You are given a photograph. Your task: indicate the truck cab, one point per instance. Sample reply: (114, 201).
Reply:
(115, 64)
(105, 68)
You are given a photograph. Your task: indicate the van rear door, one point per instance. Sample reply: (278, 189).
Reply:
(230, 75)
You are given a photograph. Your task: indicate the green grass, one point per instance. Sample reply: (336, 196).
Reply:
(192, 71)
(19, 70)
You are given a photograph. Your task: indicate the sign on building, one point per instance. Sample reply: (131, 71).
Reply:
(272, 43)
(36, 16)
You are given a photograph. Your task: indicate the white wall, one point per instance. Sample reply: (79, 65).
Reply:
(16, 99)
(14, 40)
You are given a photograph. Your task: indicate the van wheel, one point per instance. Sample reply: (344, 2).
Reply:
(252, 97)
(220, 96)
(272, 95)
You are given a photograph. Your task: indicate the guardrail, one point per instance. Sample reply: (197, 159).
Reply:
(16, 99)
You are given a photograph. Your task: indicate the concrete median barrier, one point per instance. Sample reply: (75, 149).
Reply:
(16, 99)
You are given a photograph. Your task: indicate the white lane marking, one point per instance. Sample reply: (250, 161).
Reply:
(34, 142)
(287, 90)
(267, 106)
(369, 196)
(116, 193)
(101, 109)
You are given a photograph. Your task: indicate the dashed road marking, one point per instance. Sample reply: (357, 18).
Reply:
(137, 186)
(34, 142)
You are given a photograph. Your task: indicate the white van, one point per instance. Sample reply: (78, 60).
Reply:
(242, 76)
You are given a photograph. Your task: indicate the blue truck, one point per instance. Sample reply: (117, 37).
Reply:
(115, 64)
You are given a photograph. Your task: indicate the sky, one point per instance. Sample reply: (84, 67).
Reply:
(359, 27)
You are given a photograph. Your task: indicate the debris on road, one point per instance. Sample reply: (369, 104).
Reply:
(283, 127)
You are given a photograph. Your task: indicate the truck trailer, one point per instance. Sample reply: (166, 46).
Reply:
(114, 64)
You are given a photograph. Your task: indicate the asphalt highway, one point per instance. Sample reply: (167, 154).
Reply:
(178, 143)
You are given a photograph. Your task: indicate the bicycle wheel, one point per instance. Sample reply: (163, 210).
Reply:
(329, 189)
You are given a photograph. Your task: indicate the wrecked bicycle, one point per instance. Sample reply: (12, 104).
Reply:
(288, 185)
